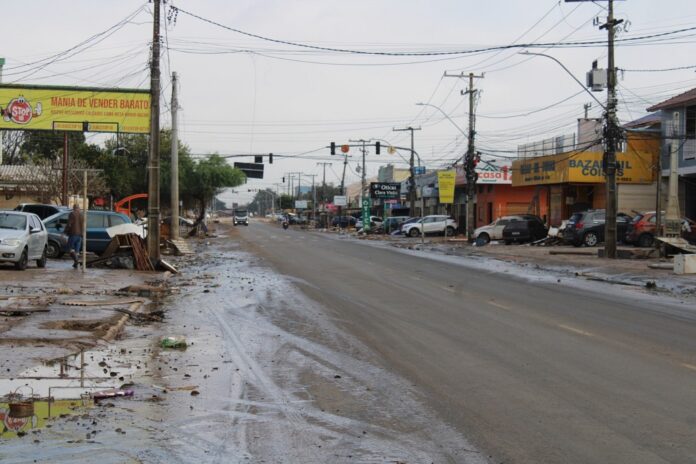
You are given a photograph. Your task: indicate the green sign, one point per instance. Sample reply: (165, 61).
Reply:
(366, 205)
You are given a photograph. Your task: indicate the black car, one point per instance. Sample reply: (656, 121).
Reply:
(343, 221)
(528, 229)
(41, 210)
(587, 227)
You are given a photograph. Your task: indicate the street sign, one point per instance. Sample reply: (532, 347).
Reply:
(418, 170)
(345, 148)
(385, 190)
(300, 204)
(340, 200)
(252, 170)
(366, 206)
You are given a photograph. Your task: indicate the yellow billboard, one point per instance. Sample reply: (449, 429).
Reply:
(28, 107)
(445, 182)
(635, 166)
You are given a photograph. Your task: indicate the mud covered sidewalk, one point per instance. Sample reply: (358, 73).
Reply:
(266, 377)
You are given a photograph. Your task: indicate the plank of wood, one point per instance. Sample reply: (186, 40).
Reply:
(120, 301)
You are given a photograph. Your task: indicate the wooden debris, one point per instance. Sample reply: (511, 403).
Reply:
(181, 247)
(121, 301)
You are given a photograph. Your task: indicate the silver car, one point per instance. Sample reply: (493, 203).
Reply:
(23, 238)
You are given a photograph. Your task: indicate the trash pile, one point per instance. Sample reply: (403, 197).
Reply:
(126, 251)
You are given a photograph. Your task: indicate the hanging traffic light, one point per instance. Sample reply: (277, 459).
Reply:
(258, 159)
(333, 148)
(377, 148)
(283, 179)
(270, 158)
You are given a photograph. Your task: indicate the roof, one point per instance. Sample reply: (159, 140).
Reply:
(682, 99)
(652, 119)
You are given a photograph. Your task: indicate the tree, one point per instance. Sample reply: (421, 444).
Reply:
(206, 179)
(12, 147)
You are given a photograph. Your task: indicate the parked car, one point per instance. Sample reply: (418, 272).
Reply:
(393, 223)
(23, 238)
(524, 229)
(587, 227)
(41, 210)
(641, 231)
(433, 224)
(297, 219)
(97, 237)
(343, 221)
(373, 222)
(494, 230)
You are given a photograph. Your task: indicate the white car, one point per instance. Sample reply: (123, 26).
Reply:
(374, 220)
(494, 230)
(434, 224)
(23, 237)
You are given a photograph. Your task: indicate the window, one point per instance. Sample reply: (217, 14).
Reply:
(691, 121)
(95, 221)
(116, 220)
(502, 222)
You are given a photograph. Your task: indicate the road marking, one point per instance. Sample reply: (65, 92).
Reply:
(498, 305)
(689, 366)
(574, 330)
(449, 289)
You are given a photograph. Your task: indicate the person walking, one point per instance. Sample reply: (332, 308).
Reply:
(74, 232)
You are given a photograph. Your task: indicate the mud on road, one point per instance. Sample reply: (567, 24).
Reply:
(267, 377)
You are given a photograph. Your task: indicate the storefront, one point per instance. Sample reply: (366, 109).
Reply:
(575, 181)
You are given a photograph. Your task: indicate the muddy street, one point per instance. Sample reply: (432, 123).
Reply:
(267, 376)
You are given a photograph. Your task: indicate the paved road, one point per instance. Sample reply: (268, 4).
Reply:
(531, 372)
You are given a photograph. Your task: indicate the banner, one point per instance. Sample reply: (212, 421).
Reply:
(385, 190)
(31, 107)
(445, 181)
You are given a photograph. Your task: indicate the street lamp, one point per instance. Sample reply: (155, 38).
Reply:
(445, 115)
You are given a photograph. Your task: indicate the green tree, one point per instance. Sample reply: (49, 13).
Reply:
(206, 179)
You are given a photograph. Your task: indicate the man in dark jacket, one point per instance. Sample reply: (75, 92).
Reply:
(74, 232)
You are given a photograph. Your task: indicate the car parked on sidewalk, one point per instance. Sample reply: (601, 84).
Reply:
(343, 221)
(374, 221)
(641, 231)
(587, 227)
(433, 224)
(393, 223)
(23, 238)
(525, 229)
(97, 237)
(494, 230)
(41, 210)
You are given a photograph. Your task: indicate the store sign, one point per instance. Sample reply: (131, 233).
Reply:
(445, 182)
(366, 207)
(340, 200)
(385, 190)
(633, 167)
(32, 107)
(300, 204)
(496, 172)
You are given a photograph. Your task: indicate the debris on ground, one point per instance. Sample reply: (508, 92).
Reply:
(125, 251)
(112, 393)
(174, 342)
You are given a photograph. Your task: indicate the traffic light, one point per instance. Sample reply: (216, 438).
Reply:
(270, 158)
(333, 148)
(258, 159)
(283, 179)
(377, 148)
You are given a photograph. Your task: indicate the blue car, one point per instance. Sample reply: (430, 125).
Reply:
(97, 238)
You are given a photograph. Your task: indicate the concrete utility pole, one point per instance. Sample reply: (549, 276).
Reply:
(469, 160)
(2, 133)
(64, 190)
(153, 198)
(412, 173)
(174, 223)
(612, 135)
(673, 218)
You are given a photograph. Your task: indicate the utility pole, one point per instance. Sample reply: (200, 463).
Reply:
(2, 133)
(153, 199)
(612, 135)
(323, 181)
(412, 172)
(174, 223)
(364, 152)
(64, 190)
(470, 158)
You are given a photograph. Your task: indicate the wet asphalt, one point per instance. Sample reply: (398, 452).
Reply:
(530, 368)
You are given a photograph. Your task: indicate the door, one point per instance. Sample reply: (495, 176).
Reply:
(35, 239)
(97, 238)
(598, 225)
(497, 230)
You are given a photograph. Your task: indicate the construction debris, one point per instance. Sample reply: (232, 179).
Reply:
(125, 246)
(180, 247)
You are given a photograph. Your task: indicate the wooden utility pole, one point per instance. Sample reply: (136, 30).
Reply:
(412, 173)
(153, 165)
(174, 199)
(470, 157)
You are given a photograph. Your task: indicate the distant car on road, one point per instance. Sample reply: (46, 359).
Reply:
(41, 210)
(433, 224)
(240, 217)
(97, 237)
(23, 238)
(525, 229)
(587, 227)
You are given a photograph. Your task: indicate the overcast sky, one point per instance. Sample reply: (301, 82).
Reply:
(240, 94)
